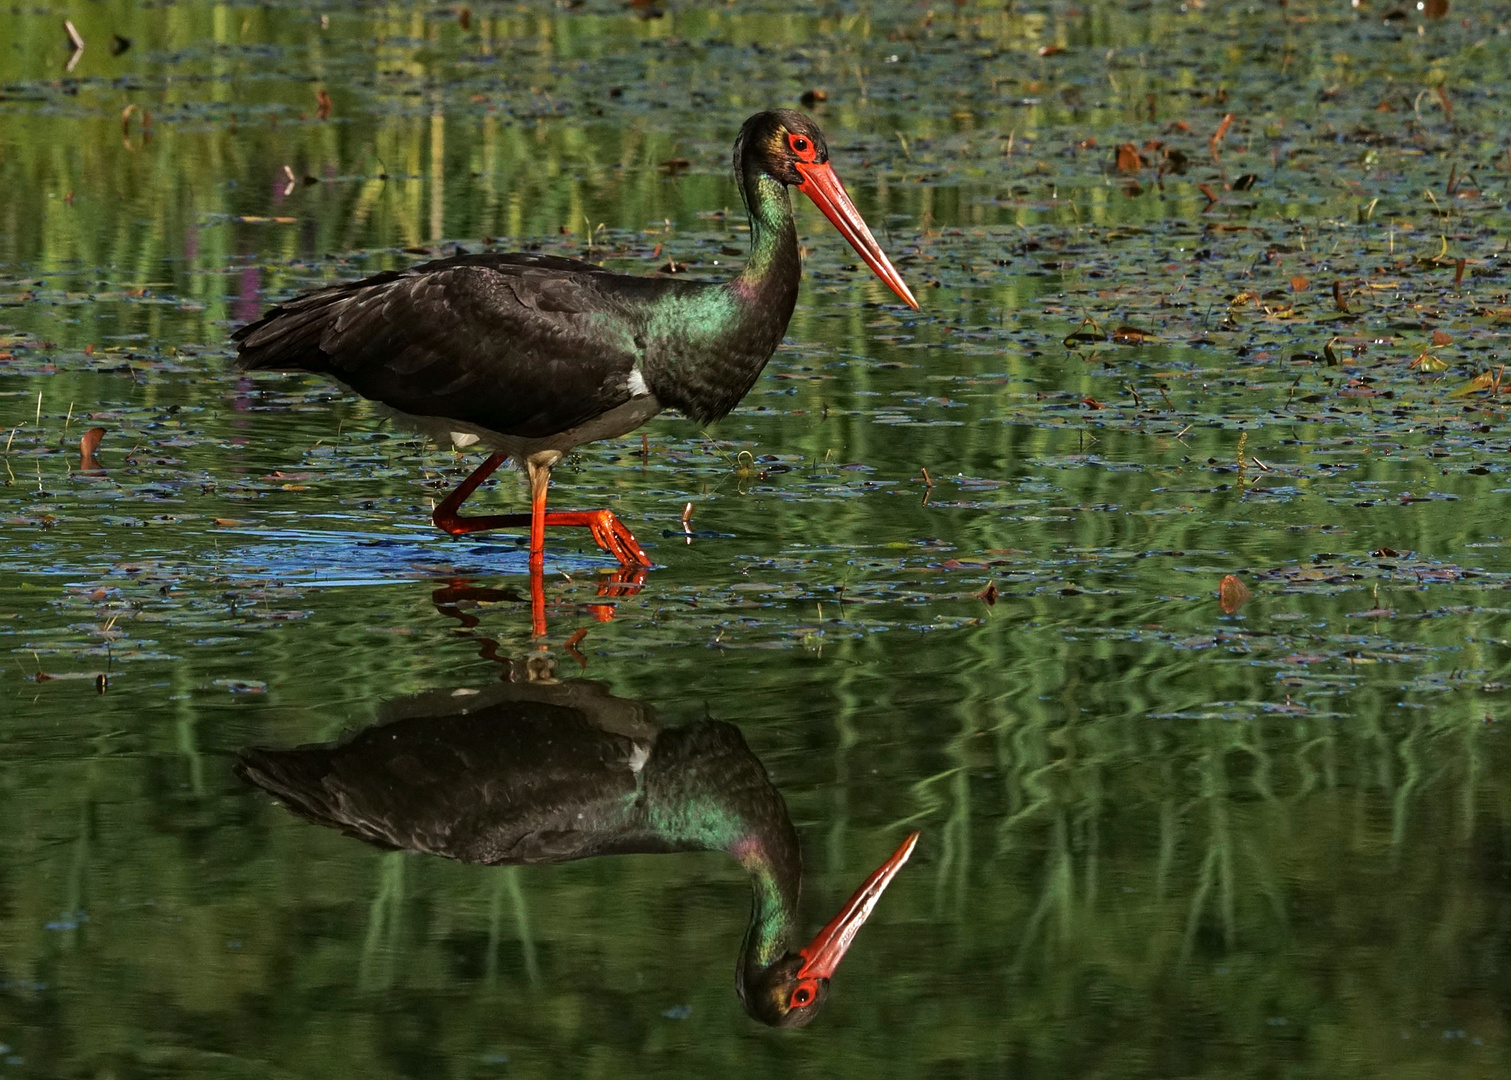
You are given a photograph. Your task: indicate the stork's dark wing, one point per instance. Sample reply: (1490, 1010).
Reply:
(527, 345)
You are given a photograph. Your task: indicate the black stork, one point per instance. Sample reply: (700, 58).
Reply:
(547, 772)
(529, 356)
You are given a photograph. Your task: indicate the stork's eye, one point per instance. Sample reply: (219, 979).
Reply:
(802, 994)
(802, 146)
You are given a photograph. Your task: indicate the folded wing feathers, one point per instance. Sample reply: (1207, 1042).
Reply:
(531, 344)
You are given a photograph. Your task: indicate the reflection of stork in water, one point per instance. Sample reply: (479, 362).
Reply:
(543, 771)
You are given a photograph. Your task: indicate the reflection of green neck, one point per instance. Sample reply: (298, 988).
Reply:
(769, 935)
(773, 236)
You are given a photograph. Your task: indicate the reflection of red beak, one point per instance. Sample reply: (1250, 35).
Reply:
(821, 184)
(824, 952)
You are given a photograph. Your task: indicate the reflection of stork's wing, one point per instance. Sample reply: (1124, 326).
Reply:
(496, 777)
(601, 709)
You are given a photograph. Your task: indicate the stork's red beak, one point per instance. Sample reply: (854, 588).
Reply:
(822, 185)
(824, 952)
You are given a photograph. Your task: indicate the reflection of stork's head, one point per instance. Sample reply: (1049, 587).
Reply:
(790, 991)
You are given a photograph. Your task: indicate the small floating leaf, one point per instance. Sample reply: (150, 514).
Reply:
(1232, 594)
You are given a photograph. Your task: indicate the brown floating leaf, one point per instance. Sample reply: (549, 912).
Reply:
(1129, 335)
(1092, 403)
(1440, 338)
(988, 595)
(1128, 159)
(810, 98)
(88, 444)
(1435, 9)
(1232, 594)
(1300, 284)
(1338, 301)
(1051, 50)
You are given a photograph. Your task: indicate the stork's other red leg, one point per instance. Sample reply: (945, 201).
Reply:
(448, 520)
(608, 532)
(540, 481)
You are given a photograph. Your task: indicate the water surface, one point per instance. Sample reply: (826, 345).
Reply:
(1160, 838)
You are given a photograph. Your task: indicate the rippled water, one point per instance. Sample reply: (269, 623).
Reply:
(955, 571)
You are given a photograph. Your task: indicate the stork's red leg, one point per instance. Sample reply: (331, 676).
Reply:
(448, 520)
(537, 600)
(608, 531)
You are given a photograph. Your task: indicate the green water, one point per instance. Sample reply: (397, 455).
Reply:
(1159, 840)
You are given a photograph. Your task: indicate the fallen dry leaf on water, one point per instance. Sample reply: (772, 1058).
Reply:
(1232, 594)
(88, 444)
(1128, 159)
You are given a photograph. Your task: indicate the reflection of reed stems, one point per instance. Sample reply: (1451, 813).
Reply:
(1198, 901)
(384, 919)
(1412, 769)
(1472, 733)
(1058, 893)
(1168, 827)
(1218, 864)
(78, 870)
(955, 857)
(506, 880)
(851, 702)
(188, 745)
(929, 802)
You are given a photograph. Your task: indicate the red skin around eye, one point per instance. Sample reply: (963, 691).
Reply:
(806, 152)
